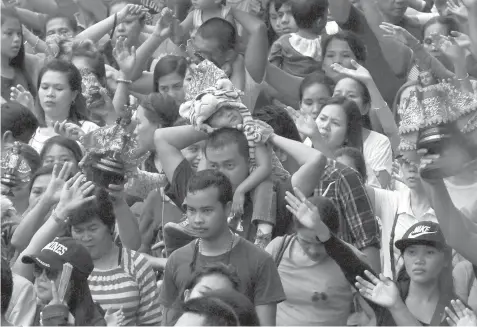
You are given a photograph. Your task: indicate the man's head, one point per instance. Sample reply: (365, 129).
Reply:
(394, 10)
(208, 203)
(227, 151)
(18, 123)
(215, 40)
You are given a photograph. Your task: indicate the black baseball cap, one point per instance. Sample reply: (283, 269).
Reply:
(423, 233)
(61, 251)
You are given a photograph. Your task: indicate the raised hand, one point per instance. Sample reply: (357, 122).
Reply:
(381, 291)
(22, 96)
(449, 47)
(461, 315)
(398, 34)
(359, 72)
(68, 130)
(238, 203)
(130, 10)
(305, 124)
(74, 195)
(457, 8)
(166, 24)
(59, 177)
(125, 57)
(305, 211)
(116, 192)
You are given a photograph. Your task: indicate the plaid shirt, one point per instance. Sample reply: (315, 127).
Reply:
(358, 224)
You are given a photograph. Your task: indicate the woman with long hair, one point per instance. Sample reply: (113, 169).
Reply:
(59, 99)
(15, 68)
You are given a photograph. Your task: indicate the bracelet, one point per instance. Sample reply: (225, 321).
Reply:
(463, 79)
(125, 81)
(60, 221)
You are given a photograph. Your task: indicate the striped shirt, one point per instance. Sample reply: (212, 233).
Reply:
(130, 286)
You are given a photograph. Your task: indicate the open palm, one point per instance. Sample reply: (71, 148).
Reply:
(359, 72)
(381, 291)
(305, 211)
(398, 34)
(125, 57)
(22, 96)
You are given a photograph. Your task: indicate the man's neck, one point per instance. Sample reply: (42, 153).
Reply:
(217, 245)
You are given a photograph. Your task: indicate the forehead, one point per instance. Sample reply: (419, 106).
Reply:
(54, 77)
(117, 7)
(437, 28)
(307, 235)
(338, 45)
(58, 22)
(11, 23)
(348, 84)
(170, 79)
(334, 111)
(227, 152)
(284, 8)
(94, 221)
(315, 90)
(203, 198)
(215, 281)
(58, 150)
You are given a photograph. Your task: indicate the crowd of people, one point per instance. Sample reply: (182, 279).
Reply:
(239, 162)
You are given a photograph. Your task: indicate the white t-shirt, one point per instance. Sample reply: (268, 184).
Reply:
(464, 198)
(43, 134)
(378, 156)
(388, 206)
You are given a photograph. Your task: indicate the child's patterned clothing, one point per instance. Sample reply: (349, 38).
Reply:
(296, 55)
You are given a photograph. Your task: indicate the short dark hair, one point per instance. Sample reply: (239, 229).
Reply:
(212, 178)
(307, 12)
(279, 119)
(73, 24)
(243, 307)
(101, 208)
(356, 45)
(7, 285)
(220, 30)
(216, 311)
(19, 120)
(215, 268)
(160, 109)
(447, 21)
(316, 78)
(328, 212)
(358, 158)
(224, 136)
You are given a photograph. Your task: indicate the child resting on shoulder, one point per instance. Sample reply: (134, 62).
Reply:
(299, 53)
(203, 11)
(220, 106)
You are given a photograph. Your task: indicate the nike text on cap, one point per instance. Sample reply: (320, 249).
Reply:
(424, 232)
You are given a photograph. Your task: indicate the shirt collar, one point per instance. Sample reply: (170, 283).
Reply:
(404, 204)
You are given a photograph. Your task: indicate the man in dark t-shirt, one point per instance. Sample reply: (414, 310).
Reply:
(208, 203)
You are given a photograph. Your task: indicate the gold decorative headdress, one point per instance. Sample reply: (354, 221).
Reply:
(15, 168)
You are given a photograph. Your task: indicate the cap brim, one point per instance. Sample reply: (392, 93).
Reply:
(33, 259)
(403, 244)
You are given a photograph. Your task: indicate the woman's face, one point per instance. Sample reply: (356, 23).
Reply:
(38, 188)
(43, 283)
(144, 130)
(314, 97)
(11, 37)
(59, 26)
(58, 154)
(94, 235)
(209, 283)
(194, 154)
(428, 41)
(282, 21)
(172, 85)
(55, 94)
(410, 172)
(423, 263)
(337, 52)
(353, 91)
(332, 124)
(314, 249)
(130, 29)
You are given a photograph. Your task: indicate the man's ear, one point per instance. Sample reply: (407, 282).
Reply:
(7, 138)
(186, 295)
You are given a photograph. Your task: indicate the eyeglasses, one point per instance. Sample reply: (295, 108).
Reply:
(50, 274)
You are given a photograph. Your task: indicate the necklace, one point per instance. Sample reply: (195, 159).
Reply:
(229, 250)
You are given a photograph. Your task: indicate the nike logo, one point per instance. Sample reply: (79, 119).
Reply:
(415, 234)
